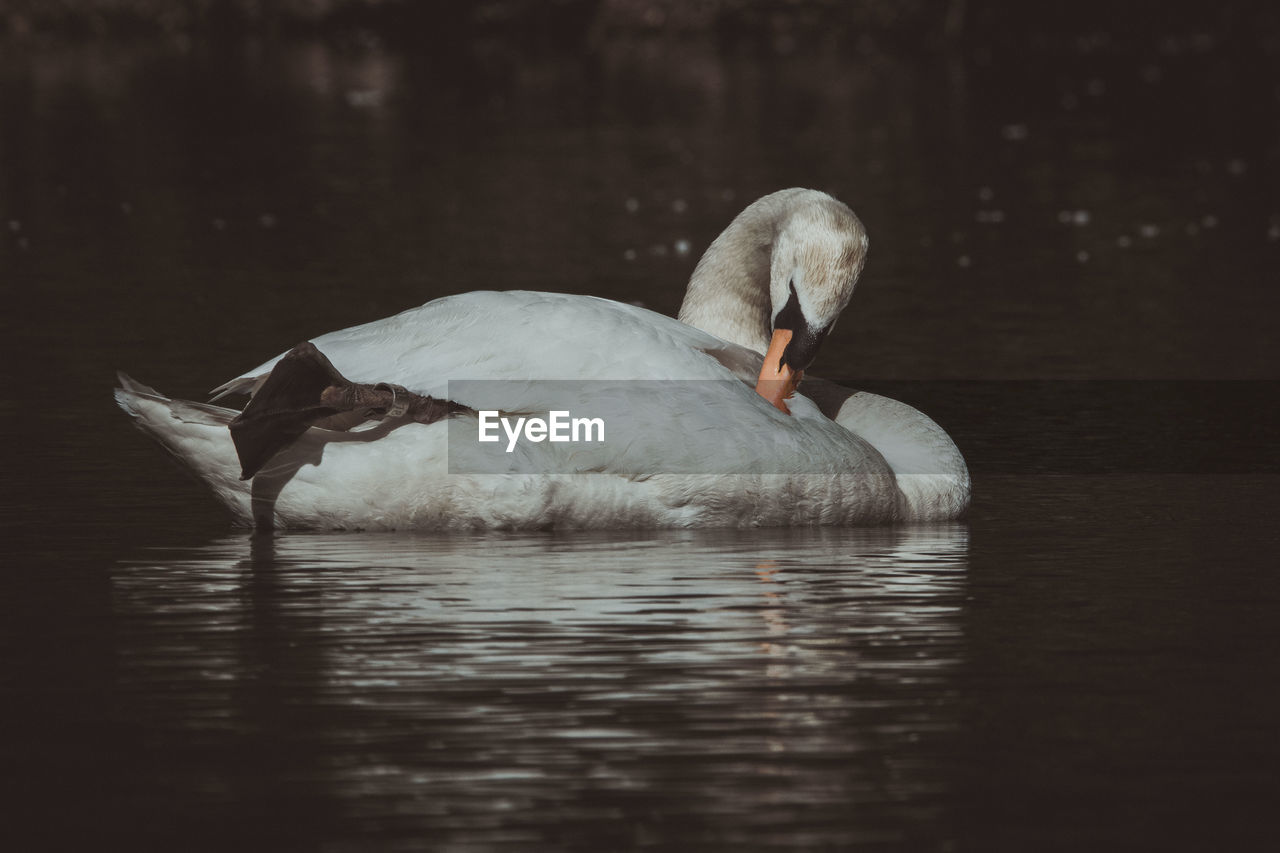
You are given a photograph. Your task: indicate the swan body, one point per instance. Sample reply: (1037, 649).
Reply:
(689, 442)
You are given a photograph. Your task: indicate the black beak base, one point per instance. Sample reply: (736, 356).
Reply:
(805, 340)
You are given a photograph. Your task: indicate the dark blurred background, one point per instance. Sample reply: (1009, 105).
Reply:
(568, 20)
(1074, 213)
(1090, 188)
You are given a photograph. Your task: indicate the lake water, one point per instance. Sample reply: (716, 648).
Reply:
(1073, 268)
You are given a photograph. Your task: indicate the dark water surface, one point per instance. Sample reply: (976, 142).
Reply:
(1088, 661)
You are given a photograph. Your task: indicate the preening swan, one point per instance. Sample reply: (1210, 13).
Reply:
(700, 421)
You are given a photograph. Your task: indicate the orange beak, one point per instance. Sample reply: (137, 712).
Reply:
(777, 381)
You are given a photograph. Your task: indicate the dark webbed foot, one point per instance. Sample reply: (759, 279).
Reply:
(305, 389)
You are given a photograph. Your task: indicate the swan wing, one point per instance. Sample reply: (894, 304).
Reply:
(489, 335)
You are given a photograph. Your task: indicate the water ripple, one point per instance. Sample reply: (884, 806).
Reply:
(719, 688)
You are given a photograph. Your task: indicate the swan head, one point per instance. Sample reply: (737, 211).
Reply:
(817, 256)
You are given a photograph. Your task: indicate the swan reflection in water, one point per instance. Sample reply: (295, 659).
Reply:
(759, 680)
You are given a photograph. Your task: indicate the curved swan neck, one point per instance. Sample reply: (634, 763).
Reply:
(728, 294)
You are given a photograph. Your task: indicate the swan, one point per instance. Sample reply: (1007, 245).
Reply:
(701, 420)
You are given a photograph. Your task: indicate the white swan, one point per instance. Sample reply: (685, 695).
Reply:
(690, 445)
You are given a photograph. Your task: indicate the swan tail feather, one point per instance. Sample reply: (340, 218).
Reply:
(141, 402)
(240, 385)
(194, 433)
